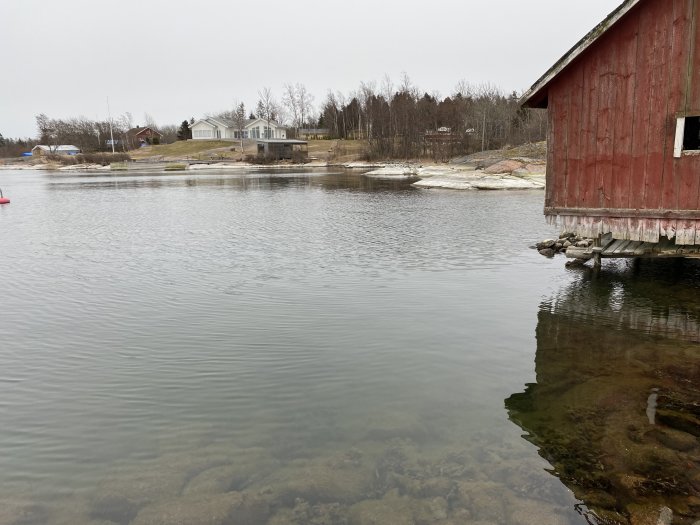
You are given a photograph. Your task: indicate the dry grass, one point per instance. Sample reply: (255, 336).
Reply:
(322, 150)
(336, 150)
(183, 149)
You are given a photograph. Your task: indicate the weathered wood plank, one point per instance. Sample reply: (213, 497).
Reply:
(588, 183)
(624, 112)
(650, 230)
(685, 232)
(675, 78)
(630, 249)
(667, 228)
(559, 108)
(658, 102)
(605, 126)
(621, 248)
(626, 213)
(574, 159)
(613, 247)
(642, 110)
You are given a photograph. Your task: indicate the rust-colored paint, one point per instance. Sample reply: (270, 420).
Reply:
(612, 121)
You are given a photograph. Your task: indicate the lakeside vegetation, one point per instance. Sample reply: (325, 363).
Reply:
(377, 121)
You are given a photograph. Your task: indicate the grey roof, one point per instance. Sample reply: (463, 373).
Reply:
(62, 147)
(282, 141)
(230, 123)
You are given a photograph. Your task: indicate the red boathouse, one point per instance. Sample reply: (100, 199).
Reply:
(624, 127)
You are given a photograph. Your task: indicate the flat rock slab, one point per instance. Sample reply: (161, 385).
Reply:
(460, 179)
(393, 172)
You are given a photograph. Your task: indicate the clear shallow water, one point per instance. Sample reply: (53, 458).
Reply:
(328, 347)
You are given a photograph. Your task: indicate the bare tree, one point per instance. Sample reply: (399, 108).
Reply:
(291, 102)
(240, 121)
(305, 101)
(149, 121)
(267, 108)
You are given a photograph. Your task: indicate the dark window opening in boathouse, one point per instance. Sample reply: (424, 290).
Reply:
(691, 134)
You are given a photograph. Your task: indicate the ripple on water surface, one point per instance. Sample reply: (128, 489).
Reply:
(287, 348)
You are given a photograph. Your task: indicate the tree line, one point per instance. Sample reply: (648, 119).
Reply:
(392, 120)
(403, 122)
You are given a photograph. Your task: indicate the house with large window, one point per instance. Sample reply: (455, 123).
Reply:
(217, 128)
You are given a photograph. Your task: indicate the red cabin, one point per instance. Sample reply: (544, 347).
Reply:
(624, 126)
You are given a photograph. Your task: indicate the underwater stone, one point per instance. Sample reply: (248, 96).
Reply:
(22, 513)
(220, 509)
(485, 500)
(674, 439)
(530, 512)
(322, 480)
(392, 509)
(246, 466)
(679, 420)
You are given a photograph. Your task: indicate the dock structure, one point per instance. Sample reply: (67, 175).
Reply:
(283, 149)
(624, 132)
(611, 248)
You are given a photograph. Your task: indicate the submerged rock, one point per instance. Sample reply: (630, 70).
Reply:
(245, 467)
(22, 513)
(320, 480)
(221, 509)
(392, 509)
(120, 495)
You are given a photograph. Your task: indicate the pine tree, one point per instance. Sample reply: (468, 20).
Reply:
(184, 133)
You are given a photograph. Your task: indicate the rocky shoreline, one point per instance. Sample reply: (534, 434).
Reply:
(495, 170)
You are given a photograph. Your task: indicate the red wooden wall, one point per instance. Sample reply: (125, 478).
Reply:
(613, 118)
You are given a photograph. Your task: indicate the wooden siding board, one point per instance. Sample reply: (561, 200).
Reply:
(642, 110)
(658, 101)
(552, 147)
(576, 118)
(587, 190)
(560, 115)
(605, 127)
(676, 77)
(624, 118)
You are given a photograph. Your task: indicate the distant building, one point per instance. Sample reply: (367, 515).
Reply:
(283, 149)
(139, 136)
(216, 128)
(64, 149)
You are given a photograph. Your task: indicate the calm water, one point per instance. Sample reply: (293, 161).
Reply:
(324, 348)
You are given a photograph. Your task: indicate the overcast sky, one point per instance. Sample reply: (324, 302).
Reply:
(177, 59)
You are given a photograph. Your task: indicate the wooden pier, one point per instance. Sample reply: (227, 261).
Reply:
(609, 248)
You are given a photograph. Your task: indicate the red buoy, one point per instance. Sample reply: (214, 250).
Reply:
(4, 201)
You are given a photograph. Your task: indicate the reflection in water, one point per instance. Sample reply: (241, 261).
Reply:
(243, 180)
(615, 407)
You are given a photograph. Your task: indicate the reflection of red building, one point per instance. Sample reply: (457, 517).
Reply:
(139, 136)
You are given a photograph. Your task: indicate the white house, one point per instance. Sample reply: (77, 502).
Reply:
(216, 128)
(64, 149)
